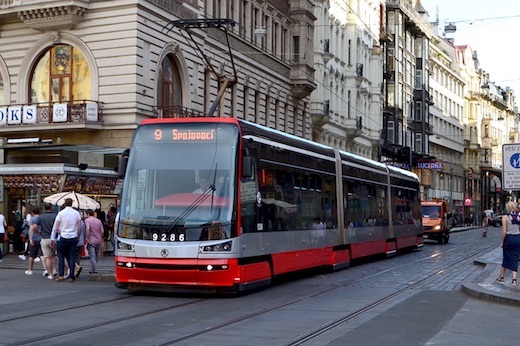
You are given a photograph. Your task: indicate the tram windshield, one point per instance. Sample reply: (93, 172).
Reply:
(180, 181)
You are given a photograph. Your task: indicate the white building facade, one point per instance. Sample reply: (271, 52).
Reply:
(446, 180)
(347, 105)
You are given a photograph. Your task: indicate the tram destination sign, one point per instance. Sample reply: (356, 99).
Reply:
(511, 166)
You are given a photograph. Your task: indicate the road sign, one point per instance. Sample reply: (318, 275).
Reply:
(511, 166)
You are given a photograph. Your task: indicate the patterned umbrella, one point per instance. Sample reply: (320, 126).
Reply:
(78, 200)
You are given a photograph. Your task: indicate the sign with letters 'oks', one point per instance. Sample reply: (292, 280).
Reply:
(17, 115)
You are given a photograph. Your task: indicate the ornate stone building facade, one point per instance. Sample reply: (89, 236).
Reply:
(78, 76)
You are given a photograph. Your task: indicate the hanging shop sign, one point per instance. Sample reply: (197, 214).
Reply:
(92, 111)
(59, 113)
(48, 183)
(90, 185)
(17, 115)
(435, 165)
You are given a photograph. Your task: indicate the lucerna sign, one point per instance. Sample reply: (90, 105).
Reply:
(429, 165)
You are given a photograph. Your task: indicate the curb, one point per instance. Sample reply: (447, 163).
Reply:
(479, 292)
(483, 285)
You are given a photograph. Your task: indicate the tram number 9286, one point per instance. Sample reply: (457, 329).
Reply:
(156, 236)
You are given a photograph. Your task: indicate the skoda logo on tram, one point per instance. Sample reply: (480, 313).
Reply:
(164, 253)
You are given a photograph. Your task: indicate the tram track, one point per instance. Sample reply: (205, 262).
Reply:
(177, 307)
(344, 319)
(103, 323)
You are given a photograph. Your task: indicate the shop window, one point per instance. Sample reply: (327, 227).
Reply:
(61, 75)
(170, 91)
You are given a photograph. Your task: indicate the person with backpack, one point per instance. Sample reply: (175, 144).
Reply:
(510, 243)
(45, 223)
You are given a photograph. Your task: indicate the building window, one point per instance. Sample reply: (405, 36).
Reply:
(61, 75)
(418, 79)
(169, 91)
(296, 49)
(418, 142)
(418, 111)
(390, 132)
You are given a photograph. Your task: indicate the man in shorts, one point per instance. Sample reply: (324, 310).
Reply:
(45, 223)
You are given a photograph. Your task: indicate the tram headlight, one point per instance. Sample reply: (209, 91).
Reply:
(124, 246)
(222, 247)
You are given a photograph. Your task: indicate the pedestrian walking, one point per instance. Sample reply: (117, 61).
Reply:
(46, 222)
(510, 242)
(485, 224)
(79, 249)
(3, 235)
(25, 232)
(68, 227)
(94, 238)
(100, 214)
(34, 239)
(111, 217)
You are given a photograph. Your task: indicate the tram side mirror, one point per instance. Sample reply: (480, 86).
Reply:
(123, 160)
(247, 167)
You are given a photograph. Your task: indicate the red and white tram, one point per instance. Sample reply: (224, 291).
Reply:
(272, 203)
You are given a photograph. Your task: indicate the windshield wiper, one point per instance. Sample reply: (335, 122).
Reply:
(192, 207)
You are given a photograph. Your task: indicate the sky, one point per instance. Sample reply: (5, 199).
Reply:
(492, 28)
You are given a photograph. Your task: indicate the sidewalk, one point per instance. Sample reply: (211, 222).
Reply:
(485, 284)
(106, 267)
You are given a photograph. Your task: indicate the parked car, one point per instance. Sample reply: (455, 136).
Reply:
(496, 221)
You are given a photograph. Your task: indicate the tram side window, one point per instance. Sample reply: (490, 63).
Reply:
(403, 205)
(364, 207)
(328, 203)
(279, 213)
(292, 199)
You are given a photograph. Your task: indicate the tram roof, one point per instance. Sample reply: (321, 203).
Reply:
(283, 137)
(289, 138)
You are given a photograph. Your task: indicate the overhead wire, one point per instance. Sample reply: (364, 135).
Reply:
(353, 108)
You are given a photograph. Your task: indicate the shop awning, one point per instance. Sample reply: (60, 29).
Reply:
(51, 168)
